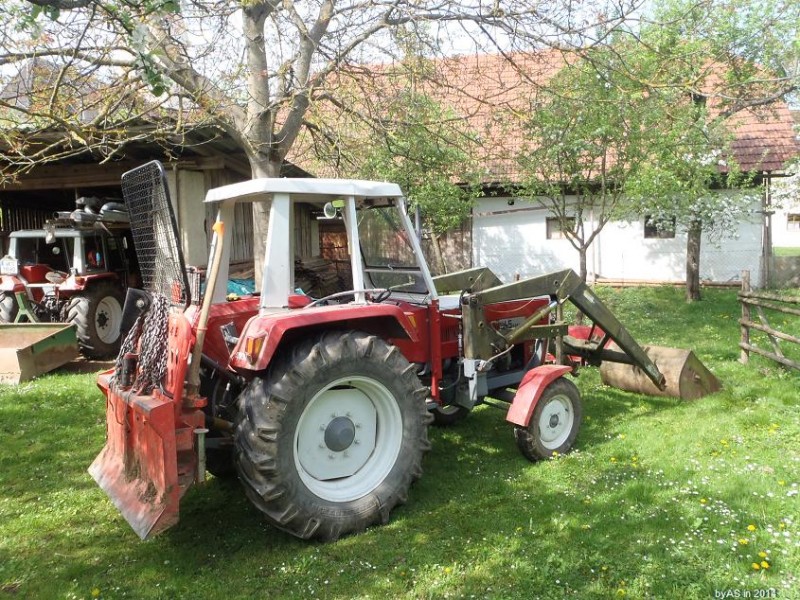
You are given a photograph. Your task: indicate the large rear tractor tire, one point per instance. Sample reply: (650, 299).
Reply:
(8, 308)
(554, 424)
(97, 315)
(330, 441)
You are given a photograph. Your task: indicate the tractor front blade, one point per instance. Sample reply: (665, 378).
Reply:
(138, 467)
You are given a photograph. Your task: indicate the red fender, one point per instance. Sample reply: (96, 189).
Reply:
(10, 283)
(530, 390)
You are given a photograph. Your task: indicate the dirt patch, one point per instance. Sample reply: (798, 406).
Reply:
(84, 365)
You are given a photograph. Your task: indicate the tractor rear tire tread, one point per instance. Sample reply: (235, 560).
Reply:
(8, 308)
(270, 409)
(81, 312)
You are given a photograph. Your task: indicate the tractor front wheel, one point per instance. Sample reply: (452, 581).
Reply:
(329, 442)
(97, 315)
(554, 424)
(8, 307)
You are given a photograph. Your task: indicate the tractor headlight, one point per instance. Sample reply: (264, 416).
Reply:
(9, 266)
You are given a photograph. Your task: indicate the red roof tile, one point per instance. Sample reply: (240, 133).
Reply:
(487, 89)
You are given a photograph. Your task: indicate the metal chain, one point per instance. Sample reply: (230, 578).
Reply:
(128, 346)
(153, 345)
(150, 335)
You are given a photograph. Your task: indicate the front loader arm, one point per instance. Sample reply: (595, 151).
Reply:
(481, 340)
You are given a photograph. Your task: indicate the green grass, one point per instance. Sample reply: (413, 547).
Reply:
(786, 251)
(661, 499)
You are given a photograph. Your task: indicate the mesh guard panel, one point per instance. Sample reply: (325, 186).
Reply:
(155, 233)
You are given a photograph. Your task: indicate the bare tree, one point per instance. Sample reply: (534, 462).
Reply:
(251, 68)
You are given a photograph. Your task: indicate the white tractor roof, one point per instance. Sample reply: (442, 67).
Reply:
(306, 189)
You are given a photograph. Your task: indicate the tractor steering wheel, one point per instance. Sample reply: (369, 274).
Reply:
(347, 293)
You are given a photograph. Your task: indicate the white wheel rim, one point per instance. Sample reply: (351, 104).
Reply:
(107, 319)
(348, 439)
(556, 421)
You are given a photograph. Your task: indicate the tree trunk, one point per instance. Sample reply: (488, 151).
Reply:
(693, 261)
(583, 271)
(441, 266)
(261, 218)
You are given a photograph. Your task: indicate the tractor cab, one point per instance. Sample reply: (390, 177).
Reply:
(385, 255)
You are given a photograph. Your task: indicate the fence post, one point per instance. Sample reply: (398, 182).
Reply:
(744, 357)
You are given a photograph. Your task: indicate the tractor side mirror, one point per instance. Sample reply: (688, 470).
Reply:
(331, 209)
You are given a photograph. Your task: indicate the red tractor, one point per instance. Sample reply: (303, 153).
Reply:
(321, 406)
(74, 270)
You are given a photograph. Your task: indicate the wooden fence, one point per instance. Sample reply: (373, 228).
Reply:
(759, 302)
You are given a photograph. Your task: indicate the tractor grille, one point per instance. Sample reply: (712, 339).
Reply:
(155, 233)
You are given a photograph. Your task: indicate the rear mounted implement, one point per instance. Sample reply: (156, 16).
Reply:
(150, 458)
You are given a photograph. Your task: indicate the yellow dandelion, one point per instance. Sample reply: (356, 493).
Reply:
(448, 570)
(756, 567)
(744, 541)
(604, 568)
(762, 554)
(621, 436)
(621, 593)
(764, 564)
(751, 527)
(703, 500)
(95, 592)
(613, 459)
(724, 442)
(781, 482)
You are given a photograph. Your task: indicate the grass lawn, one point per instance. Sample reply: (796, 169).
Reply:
(787, 251)
(661, 499)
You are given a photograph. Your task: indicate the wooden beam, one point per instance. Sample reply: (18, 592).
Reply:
(62, 177)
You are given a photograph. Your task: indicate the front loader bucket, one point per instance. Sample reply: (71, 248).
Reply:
(138, 467)
(686, 377)
(30, 349)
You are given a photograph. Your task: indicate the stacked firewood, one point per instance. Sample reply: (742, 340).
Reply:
(317, 277)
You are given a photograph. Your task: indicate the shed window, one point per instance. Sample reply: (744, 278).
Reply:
(557, 228)
(793, 222)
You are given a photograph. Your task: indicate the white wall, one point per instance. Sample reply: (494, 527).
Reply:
(782, 235)
(512, 240)
(786, 194)
(187, 192)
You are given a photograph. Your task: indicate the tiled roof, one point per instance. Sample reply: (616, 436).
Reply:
(764, 139)
(486, 89)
